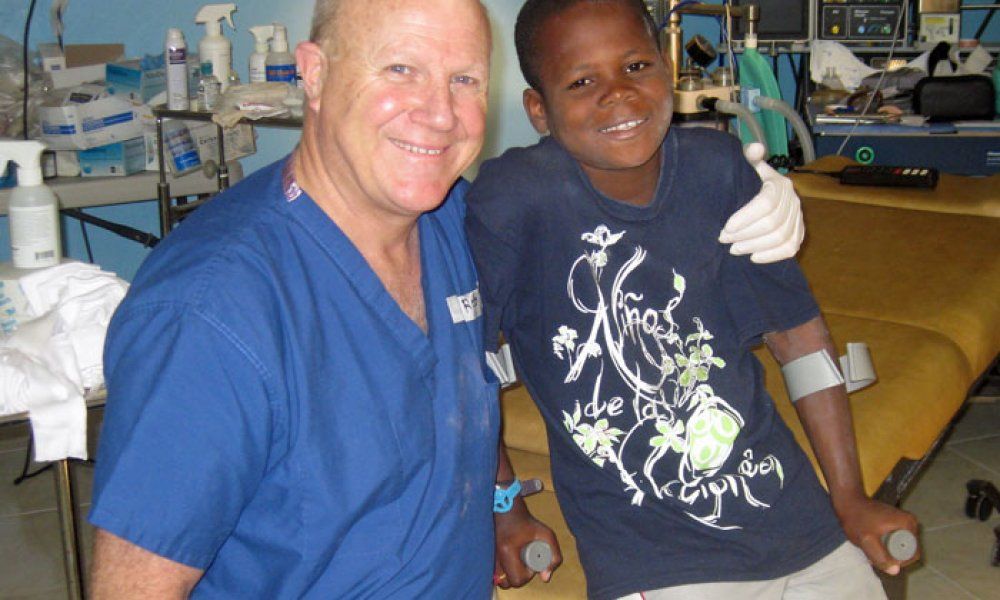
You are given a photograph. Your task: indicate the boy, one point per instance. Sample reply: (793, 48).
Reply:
(632, 330)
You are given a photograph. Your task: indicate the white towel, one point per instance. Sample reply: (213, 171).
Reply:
(59, 354)
(56, 408)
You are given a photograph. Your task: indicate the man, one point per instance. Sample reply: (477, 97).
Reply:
(298, 402)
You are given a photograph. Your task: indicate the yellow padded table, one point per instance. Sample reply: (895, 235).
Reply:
(940, 272)
(954, 194)
(922, 382)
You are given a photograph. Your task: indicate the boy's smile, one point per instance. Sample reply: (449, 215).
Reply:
(606, 96)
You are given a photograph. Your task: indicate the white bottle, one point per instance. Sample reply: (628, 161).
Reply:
(216, 48)
(262, 34)
(280, 63)
(175, 55)
(34, 209)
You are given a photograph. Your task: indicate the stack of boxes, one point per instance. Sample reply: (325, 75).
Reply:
(108, 128)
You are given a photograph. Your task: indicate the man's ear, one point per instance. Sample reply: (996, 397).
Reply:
(312, 62)
(534, 105)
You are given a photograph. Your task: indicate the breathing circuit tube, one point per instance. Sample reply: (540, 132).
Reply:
(801, 131)
(739, 111)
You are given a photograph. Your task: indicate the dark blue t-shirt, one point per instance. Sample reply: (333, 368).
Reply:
(632, 328)
(276, 419)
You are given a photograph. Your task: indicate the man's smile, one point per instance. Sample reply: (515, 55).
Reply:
(415, 149)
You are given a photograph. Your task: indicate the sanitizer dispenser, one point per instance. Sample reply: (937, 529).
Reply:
(34, 209)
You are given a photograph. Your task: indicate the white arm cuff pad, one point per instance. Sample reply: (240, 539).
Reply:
(814, 372)
(809, 374)
(502, 365)
(857, 367)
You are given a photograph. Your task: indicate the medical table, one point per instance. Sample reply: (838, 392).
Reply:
(81, 192)
(913, 273)
(66, 506)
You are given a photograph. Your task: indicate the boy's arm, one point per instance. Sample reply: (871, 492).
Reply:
(514, 530)
(826, 418)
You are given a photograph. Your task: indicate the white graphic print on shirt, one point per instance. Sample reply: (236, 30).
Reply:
(679, 432)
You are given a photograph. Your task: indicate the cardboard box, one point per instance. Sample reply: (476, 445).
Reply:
(111, 160)
(128, 78)
(85, 64)
(84, 55)
(61, 163)
(86, 117)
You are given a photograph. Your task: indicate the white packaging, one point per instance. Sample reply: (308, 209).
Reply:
(74, 76)
(175, 56)
(87, 117)
(52, 57)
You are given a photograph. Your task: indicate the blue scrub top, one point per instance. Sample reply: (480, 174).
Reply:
(275, 419)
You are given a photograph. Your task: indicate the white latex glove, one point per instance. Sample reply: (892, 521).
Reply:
(769, 228)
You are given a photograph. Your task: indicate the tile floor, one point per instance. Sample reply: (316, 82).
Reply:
(956, 549)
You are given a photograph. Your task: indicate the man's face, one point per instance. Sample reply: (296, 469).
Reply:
(606, 89)
(402, 110)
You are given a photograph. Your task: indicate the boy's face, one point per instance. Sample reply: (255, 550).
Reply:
(607, 93)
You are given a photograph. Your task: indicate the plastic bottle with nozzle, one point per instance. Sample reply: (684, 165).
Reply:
(262, 34)
(33, 211)
(280, 62)
(216, 48)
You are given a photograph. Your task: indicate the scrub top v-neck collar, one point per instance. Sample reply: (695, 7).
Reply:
(362, 277)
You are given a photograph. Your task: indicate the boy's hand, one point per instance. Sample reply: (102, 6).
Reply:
(865, 521)
(514, 530)
(769, 228)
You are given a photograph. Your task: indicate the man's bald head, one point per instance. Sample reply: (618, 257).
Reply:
(328, 15)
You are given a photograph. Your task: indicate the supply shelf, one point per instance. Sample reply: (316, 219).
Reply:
(172, 212)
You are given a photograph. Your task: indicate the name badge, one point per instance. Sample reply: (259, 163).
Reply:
(465, 308)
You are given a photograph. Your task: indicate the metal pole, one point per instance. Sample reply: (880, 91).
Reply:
(672, 35)
(162, 188)
(223, 167)
(66, 506)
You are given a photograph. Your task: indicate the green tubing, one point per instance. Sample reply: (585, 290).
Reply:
(756, 78)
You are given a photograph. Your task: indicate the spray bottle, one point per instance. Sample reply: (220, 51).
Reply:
(280, 63)
(262, 34)
(216, 48)
(34, 209)
(175, 54)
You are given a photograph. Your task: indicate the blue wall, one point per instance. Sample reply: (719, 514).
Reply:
(141, 25)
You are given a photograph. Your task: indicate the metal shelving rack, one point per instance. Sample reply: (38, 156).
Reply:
(171, 213)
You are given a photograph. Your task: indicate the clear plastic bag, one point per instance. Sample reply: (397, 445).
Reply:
(11, 84)
(12, 91)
